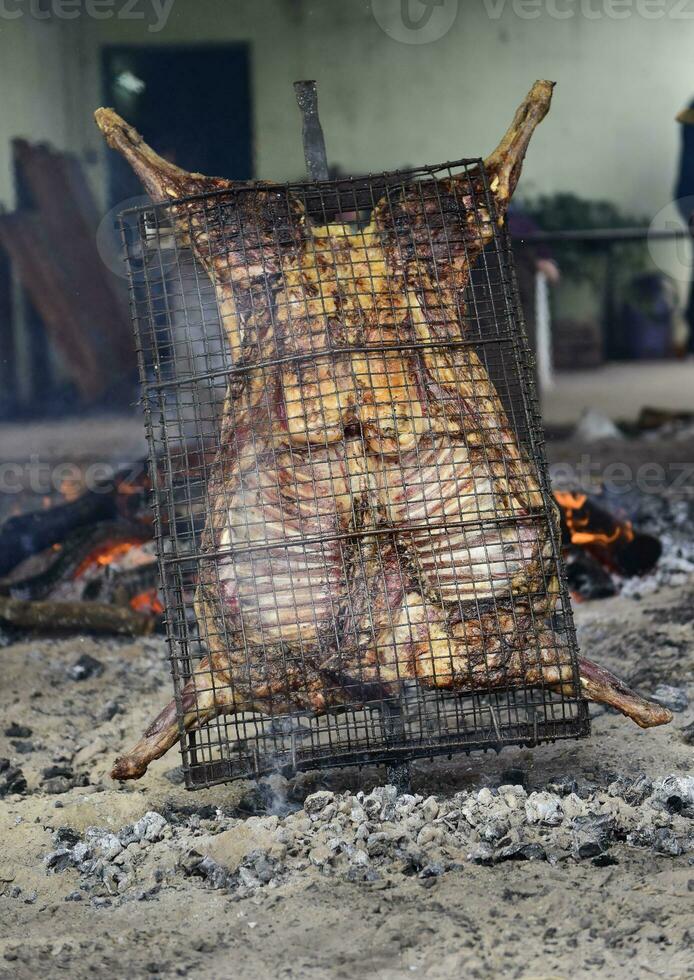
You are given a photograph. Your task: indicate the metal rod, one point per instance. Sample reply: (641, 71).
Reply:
(312, 355)
(312, 132)
(607, 236)
(398, 773)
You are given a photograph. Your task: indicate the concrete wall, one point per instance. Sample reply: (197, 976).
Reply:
(38, 70)
(386, 103)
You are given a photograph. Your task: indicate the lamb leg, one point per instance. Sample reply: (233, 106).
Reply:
(599, 684)
(498, 650)
(202, 699)
(162, 180)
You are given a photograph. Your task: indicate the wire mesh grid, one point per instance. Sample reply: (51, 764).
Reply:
(358, 545)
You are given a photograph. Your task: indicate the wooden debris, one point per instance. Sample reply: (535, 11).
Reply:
(96, 617)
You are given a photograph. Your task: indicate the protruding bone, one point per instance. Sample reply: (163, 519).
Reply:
(203, 698)
(162, 180)
(599, 684)
(503, 166)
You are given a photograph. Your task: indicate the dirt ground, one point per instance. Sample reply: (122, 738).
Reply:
(628, 914)
(632, 917)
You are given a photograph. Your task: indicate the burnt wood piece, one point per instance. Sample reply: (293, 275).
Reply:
(586, 577)
(97, 617)
(399, 430)
(42, 573)
(52, 293)
(611, 540)
(24, 535)
(59, 191)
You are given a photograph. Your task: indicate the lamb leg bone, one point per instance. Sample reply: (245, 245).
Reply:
(206, 695)
(599, 684)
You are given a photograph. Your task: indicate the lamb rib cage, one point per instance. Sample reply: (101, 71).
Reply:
(350, 475)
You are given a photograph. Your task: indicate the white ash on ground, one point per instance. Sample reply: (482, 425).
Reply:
(671, 520)
(377, 836)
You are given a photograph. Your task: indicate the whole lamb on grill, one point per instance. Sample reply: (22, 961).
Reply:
(354, 416)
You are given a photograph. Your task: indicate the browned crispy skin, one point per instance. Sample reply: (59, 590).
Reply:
(301, 607)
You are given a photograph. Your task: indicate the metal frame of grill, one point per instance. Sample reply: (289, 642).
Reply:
(191, 383)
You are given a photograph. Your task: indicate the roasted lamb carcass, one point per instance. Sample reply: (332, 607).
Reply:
(372, 516)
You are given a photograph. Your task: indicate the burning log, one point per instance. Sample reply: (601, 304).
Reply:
(613, 541)
(587, 577)
(27, 534)
(147, 602)
(77, 571)
(94, 617)
(68, 568)
(394, 426)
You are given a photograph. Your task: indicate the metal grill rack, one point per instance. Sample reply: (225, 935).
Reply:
(357, 544)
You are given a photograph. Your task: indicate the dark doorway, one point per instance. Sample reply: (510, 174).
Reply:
(192, 103)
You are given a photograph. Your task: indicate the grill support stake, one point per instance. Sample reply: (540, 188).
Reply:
(398, 773)
(315, 153)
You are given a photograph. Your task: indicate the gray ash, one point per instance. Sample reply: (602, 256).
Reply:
(671, 520)
(377, 836)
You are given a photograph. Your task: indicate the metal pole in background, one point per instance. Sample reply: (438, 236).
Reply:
(312, 132)
(543, 333)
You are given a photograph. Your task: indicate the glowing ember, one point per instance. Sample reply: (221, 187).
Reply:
(108, 553)
(147, 602)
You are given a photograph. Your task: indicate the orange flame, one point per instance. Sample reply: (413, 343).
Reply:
(571, 501)
(105, 554)
(147, 602)
(578, 523)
